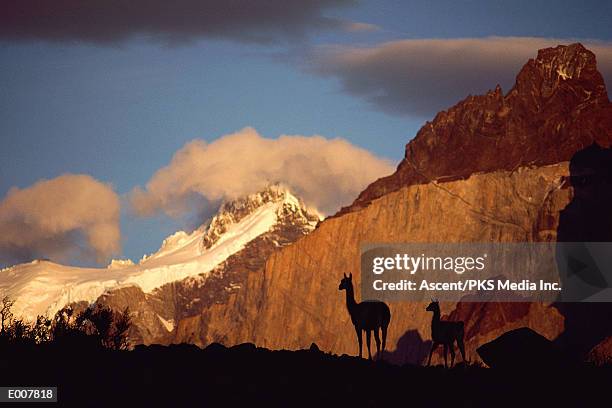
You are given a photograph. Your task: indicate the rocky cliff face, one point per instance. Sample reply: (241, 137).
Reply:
(295, 300)
(491, 168)
(557, 106)
(155, 314)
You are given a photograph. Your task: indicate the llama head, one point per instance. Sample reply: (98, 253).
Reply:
(434, 306)
(346, 282)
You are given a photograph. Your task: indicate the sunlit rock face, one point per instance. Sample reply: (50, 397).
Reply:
(490, 169)
(295, 300)
(260, 223)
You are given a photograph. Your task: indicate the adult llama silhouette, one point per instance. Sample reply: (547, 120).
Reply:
(368, 315)
(445, 333)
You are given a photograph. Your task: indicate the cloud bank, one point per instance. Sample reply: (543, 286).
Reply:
(72, 215)
(110, 21)
(326, 173)
(421, 77)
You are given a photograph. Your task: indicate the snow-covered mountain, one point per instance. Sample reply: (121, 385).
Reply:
(43, 287)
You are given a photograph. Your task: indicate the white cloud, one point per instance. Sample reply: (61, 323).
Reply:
(70, 215)
(423, 76)
(326, 173)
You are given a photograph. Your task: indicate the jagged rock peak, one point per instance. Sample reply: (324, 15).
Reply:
(575, 62)
(565, 67)
(290, 209)
(557, 106)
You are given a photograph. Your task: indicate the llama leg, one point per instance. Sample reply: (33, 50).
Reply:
(384, 339)
(452, 353)
(377, 338)
(360, 340)
(368, 336)
(445, 352)
(462, 350)
(433, 347)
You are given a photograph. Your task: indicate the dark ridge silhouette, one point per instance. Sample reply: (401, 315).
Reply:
(369, 316)
(246, 375)
(521, 348)
(445, 333)
(587, 218)
(410, 349)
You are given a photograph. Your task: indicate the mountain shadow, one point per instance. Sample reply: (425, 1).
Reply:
(587, 218)
(410, 349)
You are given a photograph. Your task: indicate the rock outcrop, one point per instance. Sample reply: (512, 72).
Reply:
(557, 106)
(601, 353)
(520, 349)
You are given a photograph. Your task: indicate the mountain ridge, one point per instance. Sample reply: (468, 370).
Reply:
(294, 299)
(43, 287)
(557, 105)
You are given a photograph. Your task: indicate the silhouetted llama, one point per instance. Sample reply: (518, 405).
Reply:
(445, 333)
(368, 316)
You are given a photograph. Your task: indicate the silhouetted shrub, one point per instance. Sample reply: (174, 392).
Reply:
(96, 326)
(18, 331)
(6, 316)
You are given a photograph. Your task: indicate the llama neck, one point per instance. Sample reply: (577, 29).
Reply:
(350, 299)
(436, 318)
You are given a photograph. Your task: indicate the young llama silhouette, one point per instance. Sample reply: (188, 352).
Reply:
(369, 316)
(445, 333)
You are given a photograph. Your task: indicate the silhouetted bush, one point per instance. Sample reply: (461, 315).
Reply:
(18, 331)
(96, 326)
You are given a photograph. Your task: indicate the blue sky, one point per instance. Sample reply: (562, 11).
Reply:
(118, 110)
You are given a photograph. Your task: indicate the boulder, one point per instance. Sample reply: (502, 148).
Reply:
(521, 348)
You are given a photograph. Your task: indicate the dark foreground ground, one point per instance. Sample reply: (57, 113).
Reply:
(247, 376)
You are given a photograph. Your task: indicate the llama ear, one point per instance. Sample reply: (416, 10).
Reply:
(344, 275)
(351, 275)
